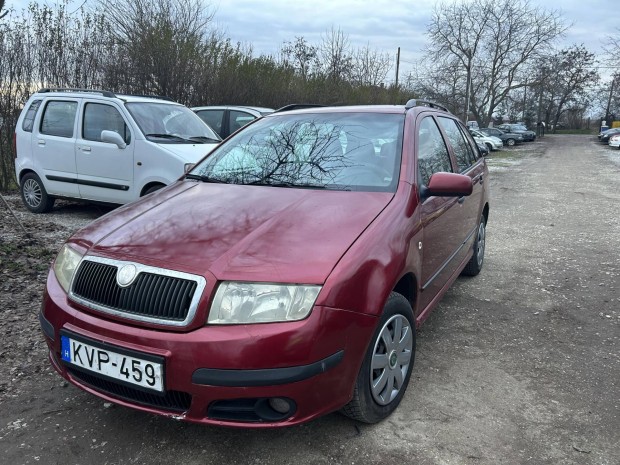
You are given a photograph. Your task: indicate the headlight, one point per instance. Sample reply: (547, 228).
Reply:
(65, 265)
(241, 303)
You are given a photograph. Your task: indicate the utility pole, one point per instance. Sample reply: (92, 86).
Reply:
(397, 66)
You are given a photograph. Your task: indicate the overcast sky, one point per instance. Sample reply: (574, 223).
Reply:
(384, 24)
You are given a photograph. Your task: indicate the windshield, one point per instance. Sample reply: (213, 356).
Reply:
(169, 123)
(348, 151)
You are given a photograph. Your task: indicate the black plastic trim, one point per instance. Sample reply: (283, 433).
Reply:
(105, 185)
(46, 327)
(264, 377)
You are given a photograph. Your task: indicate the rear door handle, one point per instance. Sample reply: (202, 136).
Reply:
(41, 142)
(85, 149)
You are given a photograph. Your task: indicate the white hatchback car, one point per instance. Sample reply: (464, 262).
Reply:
(492, 142)
(98, 146)
(614, 141)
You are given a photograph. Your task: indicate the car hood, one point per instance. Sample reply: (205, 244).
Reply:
(235, 232)
(190, 153)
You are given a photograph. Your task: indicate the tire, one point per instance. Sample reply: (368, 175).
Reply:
(490, 147)
(34, 195)
(371, 403)
(476, 261)
(510, 142)
(152, 189)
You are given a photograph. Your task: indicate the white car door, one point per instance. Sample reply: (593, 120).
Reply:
(105, 170)
(53, 146)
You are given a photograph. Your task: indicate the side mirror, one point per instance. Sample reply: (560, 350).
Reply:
(113, 138)
(447, 185)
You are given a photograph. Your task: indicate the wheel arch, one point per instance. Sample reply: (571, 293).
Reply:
(407, 287)
(147, 186)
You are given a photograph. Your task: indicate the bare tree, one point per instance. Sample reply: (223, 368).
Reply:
(572, 75)
(370, 67)
(157, 43)
(302, 56)
(494, 41)
(335, 53)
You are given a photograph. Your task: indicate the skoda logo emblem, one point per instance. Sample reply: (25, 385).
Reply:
(126, 275)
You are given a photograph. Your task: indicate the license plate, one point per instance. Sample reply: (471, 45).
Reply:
(132, 369)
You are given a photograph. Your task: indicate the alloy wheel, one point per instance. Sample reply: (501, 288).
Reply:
(32, 193)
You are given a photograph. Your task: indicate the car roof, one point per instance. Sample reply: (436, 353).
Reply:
(350, 109)
(104, 95)
(234, 107)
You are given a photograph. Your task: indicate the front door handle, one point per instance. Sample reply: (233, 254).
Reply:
(85, 149)
(41, 142)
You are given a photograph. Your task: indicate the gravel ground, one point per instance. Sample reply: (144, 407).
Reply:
(518, 365)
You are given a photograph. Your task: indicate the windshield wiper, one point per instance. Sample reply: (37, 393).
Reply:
(203, 178)
(169, 137)
(203, 139)
(293, 185)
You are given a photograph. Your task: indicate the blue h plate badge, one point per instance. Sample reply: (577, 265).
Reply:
(65, 348)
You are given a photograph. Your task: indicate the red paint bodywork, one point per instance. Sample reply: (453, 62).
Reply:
(359, 246)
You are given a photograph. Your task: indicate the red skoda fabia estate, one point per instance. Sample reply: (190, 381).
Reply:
(283, 277)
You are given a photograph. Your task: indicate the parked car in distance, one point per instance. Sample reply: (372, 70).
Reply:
(605, 135)
(528, 135)
(227, 119)
(491, 142)
(103, 147)
(614, 140)
(283, 277)
(508, 138)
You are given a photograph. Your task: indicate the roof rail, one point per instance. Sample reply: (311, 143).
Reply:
(424, 103)
(105, 93)
(298, 106)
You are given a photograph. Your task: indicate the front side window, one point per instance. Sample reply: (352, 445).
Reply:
(433, 155)
(59, 118)
(170, 123)
(462, 150)
(99, 117)
(347, 151)
(28, 122)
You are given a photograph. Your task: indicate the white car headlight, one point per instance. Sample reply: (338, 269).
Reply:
(65, 265)
(241, 303)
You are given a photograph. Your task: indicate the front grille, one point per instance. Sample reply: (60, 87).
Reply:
(156, 295)
(176, 401)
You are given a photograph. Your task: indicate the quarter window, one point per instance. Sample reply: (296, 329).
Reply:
(59, 118)
(30, 114)
(433, 154)
(462, 150)
(99, 117)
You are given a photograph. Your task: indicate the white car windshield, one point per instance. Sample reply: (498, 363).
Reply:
(169, 123)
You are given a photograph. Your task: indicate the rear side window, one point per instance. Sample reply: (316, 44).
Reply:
(238, 119)
(462, 149)
(99, 117)
(28, 122)
(213, 118)
(59, 118)
(433, 155)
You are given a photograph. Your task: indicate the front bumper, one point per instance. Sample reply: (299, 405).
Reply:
(312, 364)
